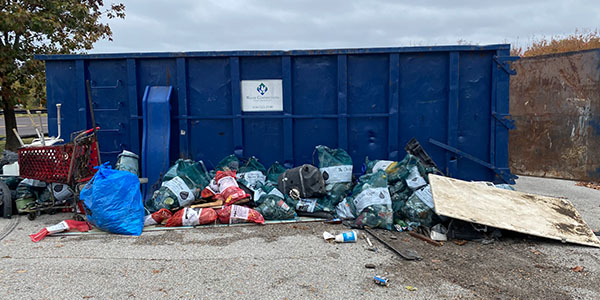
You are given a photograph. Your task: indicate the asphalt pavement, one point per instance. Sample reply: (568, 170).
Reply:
(24, 125)
(285, 262)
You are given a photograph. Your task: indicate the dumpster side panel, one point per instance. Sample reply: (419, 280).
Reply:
(474, 108)
(555, 101)
(423, 107)
(370, 102)
(108, 85)
(60, 88)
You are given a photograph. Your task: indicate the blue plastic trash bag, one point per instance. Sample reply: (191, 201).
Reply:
(113, 201)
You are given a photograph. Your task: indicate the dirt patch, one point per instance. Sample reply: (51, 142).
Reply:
(508, 269)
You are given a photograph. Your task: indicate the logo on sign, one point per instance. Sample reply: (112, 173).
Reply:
(262, 89)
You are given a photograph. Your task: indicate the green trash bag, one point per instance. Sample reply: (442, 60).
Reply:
(274, 172)
(195, 171)
(309, 205)
(372, 166)
(252, 173)
(273, 207)
(230, 162)
(419, 208)
(173, 194)
(181, 186)
(376, 216)
(371, 201)
(268, 188)
(336, 167)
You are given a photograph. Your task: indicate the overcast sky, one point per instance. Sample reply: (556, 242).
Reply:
(196, 25)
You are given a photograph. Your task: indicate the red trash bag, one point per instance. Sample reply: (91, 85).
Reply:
(228, 187)
(157, 217)
(239, 214)
(192, 217)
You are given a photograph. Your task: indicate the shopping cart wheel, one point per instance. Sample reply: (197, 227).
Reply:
(31, 216)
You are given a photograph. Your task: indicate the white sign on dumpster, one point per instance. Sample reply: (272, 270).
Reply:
(262, 95)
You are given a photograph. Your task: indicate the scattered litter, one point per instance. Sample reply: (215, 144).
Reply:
(60, 227)
(369, 242)
(410, 288)
(328, 236)
(334, 221)
(346, 237)
(374, 249)
(380, 280)
(424, 238)
(460, 242)
(370, 266)
(393, 237)
(438, 233)
(577, 269)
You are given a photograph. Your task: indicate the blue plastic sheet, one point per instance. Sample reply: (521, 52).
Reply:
(113, 201)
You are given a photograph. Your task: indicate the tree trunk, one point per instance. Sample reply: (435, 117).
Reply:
(10, 121)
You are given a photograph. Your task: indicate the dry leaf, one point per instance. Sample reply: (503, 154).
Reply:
(460, 243)
(155, 271)
(535, 252)
(410, 288)
(577, 269)
(21, 271)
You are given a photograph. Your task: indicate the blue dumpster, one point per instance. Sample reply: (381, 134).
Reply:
(278, 105)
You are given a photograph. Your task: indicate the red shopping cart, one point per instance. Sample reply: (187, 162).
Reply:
(71, 164)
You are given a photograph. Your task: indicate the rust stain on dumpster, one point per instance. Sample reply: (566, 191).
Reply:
(555, 102)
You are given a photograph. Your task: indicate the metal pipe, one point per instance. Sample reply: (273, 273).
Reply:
(18, 137)
(58, 105)
(39, 113)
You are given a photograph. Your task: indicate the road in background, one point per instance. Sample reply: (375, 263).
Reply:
(24, 125)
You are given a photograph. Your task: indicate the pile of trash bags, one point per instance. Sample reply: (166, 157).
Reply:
(387, 193)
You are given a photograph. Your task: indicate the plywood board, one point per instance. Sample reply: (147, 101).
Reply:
(531, 214)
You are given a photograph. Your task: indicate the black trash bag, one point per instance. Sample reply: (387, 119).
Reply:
(305, 180)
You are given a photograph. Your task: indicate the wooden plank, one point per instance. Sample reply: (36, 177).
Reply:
(531, 214)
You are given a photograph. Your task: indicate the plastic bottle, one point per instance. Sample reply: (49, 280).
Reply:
(346, 237)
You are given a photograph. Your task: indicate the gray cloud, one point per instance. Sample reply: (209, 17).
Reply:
(187, 25)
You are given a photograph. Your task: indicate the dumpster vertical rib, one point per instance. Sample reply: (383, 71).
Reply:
(452, 139)
(502, 101)
(342, 87)
(236, 105)
(183, 107)
(81, 95)
(493, 95)
(286, 74)
(132, 95)
(394, 78)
